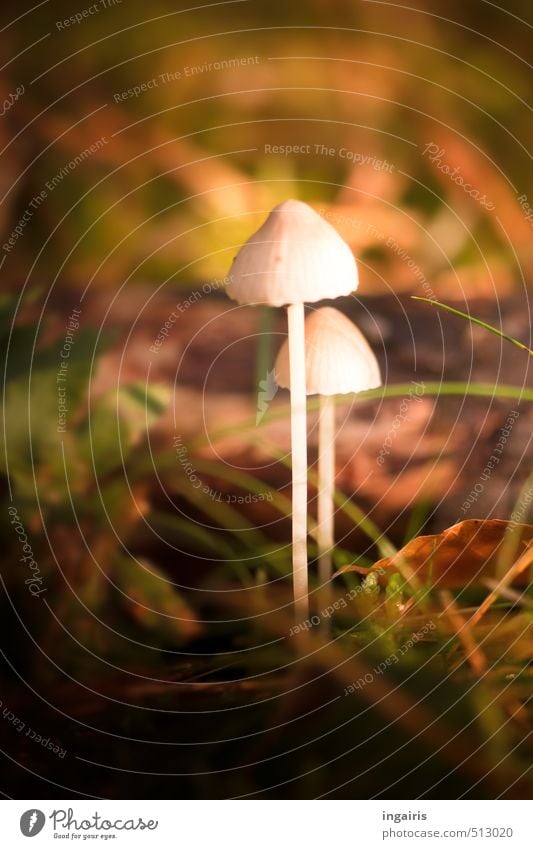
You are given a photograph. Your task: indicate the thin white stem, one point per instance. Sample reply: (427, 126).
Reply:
(295, 316)
(326, 487)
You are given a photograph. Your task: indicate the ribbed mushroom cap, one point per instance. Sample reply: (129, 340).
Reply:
(295, 257)
(338, 359)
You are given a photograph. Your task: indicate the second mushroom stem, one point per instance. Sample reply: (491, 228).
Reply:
(295, 317)
(326, 488)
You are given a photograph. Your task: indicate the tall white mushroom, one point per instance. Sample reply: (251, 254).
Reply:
(338, 360)
(295, 257)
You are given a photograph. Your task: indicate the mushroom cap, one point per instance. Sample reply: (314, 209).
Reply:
(338, 359)
(295, 257)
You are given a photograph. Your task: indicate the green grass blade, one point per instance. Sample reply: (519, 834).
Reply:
(263, 361)
(394, 390)
(473, 320)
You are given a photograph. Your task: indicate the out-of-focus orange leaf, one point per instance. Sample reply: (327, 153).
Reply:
(464, 553)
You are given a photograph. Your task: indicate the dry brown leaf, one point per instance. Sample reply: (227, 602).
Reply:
(464, 553)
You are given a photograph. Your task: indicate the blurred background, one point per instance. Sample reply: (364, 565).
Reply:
(184, 174)
(141, 146)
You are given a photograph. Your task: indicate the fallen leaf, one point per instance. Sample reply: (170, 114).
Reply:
(467, 552)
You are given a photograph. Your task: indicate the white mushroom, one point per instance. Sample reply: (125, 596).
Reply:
(338, 360)
(295, 257)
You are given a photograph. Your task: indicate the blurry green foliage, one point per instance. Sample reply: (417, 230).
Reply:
(379, 79)
(69, 484)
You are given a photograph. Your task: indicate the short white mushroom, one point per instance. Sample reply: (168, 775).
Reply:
(295, 257)
(338, 360)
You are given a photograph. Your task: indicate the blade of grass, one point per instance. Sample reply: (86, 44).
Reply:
(523, 562)
(384, 545)
(190, 532)
(397, 390)
(511, 542)
(473, 320)
(251, 484)
(512, 595)
(461, 627)
(263, 361)
(258, 546)
(417, 519)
